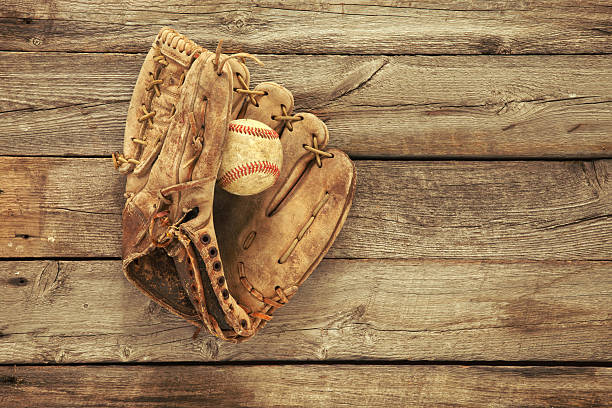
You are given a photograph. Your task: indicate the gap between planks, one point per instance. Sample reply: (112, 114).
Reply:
(371, 362)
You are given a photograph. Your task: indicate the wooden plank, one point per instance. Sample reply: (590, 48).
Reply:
(323, 27)
(478, 106)
(86, 311)
(305, 385)
(73, 205)
(58, 207)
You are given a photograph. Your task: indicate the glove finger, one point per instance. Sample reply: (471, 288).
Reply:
(274, 109)
(270, 107)
(152, 105)
(305, 134)
(158, 90)
(203, 123)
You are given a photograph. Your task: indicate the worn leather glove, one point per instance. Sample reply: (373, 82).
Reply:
(270, 242)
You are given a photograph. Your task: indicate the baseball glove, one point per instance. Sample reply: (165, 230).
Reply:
(177, 122)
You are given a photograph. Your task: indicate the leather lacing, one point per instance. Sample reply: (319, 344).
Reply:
(219, 63)
(285, 117)
(147, 116)
(281, 297)
(170, 38)
(172, 231)
(244, 89)
(280, 300)
(288, 123)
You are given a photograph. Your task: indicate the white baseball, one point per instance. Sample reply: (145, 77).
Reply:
(252, 158)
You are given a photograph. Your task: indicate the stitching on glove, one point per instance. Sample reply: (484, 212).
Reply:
(305, 228)
(317, 152)
(153, 86)
(245, 90)
(288, 119)
(119, 159)
(219, 64)
(260, 166)
(275, 303)
(197, 141)
(146, 115)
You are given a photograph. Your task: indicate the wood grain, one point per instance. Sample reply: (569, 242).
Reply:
(57, 207)
(384, 106)
(322, 27)
(439, 261)
(305, 385)
(86, 311)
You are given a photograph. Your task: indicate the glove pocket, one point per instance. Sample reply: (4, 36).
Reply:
(271, 255)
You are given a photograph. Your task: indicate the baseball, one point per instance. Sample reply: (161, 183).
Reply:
(251, 159)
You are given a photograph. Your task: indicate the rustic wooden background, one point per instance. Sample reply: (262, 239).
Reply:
(475, 267)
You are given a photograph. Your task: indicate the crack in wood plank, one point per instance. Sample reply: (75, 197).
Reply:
(579, 221)
(84, 105)
(84, 211)
(358, 79)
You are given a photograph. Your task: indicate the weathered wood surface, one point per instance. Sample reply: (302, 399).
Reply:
(58, 207)
(439, 261)
(86, 311)
(305, 385)
(383, 106)
(363, 27)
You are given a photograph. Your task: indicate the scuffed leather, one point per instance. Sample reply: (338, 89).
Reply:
(279, 214)
(226, 276)
(191, 116)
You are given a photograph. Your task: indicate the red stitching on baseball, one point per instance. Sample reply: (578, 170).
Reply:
(261, 166)
(253, 131)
